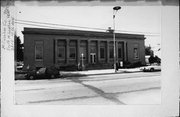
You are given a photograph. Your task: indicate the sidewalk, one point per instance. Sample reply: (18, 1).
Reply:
(65, 74)
(97, 72)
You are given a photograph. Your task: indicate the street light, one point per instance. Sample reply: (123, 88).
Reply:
(115, 9)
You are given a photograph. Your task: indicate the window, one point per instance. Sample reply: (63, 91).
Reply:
(61, 52)
(103, 49)
(72, 53)
(83, 49)
(136, 53)
(72, 49)
(38, 50)
(119, 53)
(93, 49)
(102, 52)
(111, 52)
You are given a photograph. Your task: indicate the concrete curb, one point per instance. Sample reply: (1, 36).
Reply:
(80, 74)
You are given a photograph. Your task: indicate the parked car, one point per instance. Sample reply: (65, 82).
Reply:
(151, 68)
(45, 72)
(19, 65)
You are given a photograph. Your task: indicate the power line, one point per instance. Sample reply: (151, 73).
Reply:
(36, 25)
(27, 22)
(60, 25)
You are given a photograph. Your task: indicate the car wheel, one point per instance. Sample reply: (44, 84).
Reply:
(52, 76)
(144, 70)
(152, 69)
(31, 77)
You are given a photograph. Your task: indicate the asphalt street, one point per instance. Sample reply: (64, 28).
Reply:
(111, 89)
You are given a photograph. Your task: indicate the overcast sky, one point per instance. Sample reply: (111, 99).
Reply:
(129, 19)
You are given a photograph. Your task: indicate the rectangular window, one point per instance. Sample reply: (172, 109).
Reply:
(136, 51)
(111, 52)
(60, 49)
(83, 49)
(119, 53)
(102, 53)
(39, 51)
(93, 49)
(72, 49)
(72, 53)
(136, 55)
(61, 52)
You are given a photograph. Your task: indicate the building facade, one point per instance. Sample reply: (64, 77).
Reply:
(65, 48)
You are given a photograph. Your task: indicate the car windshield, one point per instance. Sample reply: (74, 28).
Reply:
(42, 70)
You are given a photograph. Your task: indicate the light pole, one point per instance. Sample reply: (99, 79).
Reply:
(115, 9)
(82, 61)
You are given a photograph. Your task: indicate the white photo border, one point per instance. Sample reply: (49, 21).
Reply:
(170, 80)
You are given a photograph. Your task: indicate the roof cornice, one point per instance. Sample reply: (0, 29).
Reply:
(79, 33)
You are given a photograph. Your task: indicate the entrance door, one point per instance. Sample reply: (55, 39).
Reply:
(93, 58)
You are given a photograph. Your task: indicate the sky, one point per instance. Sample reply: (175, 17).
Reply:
(129, 19)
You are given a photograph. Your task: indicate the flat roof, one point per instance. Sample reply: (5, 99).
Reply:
(70, 32)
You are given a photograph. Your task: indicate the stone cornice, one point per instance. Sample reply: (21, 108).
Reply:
(80, 33)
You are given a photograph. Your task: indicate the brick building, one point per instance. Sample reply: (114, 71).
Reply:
(65, 48)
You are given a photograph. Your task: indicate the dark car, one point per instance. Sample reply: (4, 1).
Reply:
(44, 72)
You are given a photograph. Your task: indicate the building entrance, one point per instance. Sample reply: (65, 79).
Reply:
(93, 58)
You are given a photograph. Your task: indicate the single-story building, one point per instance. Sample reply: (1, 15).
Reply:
(65, 48)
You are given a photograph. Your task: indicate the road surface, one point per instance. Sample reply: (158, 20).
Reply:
(111, 89)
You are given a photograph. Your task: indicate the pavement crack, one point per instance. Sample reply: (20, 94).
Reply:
(63, 99)
(106, 95)
(99, 92)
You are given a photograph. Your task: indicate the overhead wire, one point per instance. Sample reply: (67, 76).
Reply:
(44, 24)
(36, 25)
(60, 25)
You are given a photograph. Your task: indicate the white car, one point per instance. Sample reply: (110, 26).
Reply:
(19, 65)
(151, 68)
